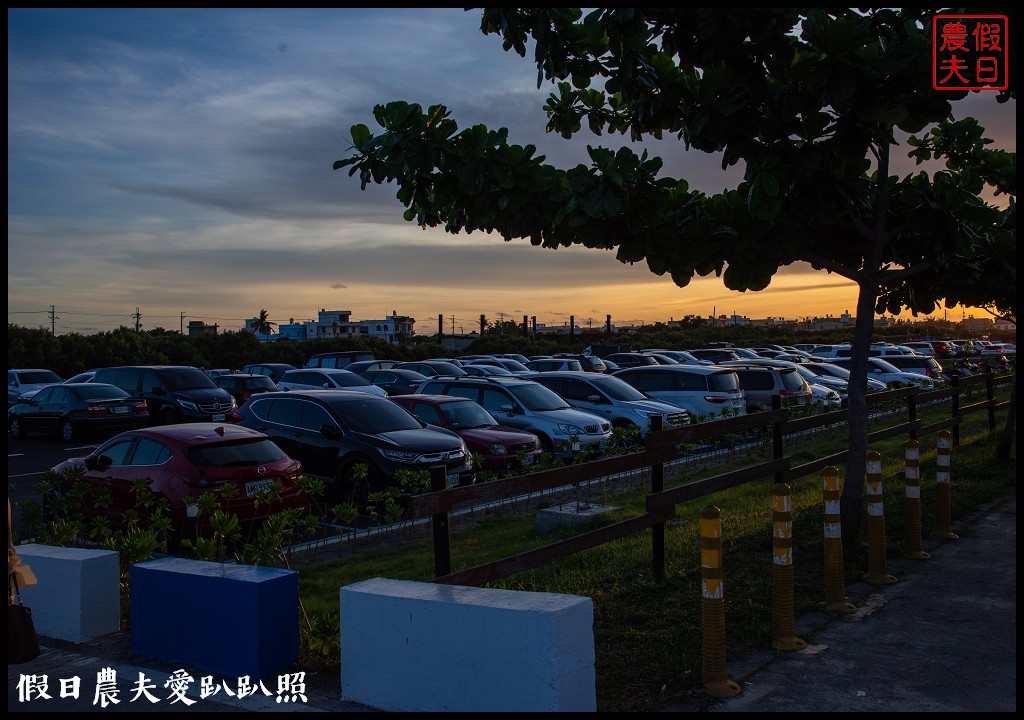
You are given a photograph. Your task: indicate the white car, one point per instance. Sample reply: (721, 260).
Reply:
(327, 379)
(611, 398)
(892, 376)
(997, 350)
(30, 380)
(827, 369)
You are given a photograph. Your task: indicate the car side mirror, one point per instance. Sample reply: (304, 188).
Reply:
(331, 431)
(508, 409)
(101, 462)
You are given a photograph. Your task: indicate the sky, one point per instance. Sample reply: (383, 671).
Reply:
(177, 163)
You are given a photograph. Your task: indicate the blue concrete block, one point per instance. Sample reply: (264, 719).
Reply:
(234, 620)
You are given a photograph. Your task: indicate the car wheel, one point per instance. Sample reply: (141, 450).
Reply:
(16, 428)
(357, 479)
(545, 443)
(68, 431)
(168, 416)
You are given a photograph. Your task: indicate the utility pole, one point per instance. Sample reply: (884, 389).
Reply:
(53, 320)
(182, 323)
(453, 324)
(138, 320)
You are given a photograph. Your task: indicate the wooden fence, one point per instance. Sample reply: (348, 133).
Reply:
(665, 446)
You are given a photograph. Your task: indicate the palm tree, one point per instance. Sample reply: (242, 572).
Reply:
(261, 324)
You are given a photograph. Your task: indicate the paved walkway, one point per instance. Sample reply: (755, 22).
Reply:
(943, 638)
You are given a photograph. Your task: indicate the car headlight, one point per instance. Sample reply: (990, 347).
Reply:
(188, 405)
(499, 449)
(567, 429)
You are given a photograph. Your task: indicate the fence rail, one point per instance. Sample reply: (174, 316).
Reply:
(665, 446)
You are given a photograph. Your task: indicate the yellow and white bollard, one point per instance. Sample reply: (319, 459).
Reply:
(783, 622)
(876, 574)
(714, 673)
(912, 476)
(942, 487)
(835, 579)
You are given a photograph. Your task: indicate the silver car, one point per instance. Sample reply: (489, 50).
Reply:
(612, 398)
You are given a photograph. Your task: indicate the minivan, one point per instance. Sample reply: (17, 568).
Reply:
(760, 383)
(174, 393)
(706, 391)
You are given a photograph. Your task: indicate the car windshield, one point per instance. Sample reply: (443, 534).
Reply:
(349, 380)
(883, 365)
(462, 415)
(236, 453)
(617, 389)
(367, 416)
(724, 381)
(536, 397)
(830, 370)
(98, 392)
(39, 376)
(792, 381)
(186, 379)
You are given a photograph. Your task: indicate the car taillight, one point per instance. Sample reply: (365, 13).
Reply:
(785, 393)
(236, 418)
(95, 410)
(715, 399)
(244, 395)
(141, 407)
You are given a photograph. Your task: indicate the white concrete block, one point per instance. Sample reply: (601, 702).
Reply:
(422, 647)
(78, 594)
(570, 514)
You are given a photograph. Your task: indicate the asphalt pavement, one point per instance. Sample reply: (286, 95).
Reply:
(942, 638)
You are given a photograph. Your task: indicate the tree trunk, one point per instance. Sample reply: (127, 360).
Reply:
(857, 413)
(1004, 450)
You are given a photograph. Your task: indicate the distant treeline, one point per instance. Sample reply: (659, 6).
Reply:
(73, 353)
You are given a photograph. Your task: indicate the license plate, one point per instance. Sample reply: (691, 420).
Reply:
(119, 410)
(218, 417)
(528, 460)
(257, 486)
(453, 480)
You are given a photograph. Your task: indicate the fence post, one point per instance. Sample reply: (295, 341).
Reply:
(876, 573)
(783, 623)
(713, 672)
(439, 525)
(990, 395)
(912, 476)
(942, 488)
(912, 414)
(657, 531)
(954, 410)
(835, 579)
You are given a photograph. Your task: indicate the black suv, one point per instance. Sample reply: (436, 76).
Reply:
(174, 393)
(333, 433)
(274, 371)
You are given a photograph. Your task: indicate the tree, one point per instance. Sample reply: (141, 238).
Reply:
(262, 325)
(811, 101)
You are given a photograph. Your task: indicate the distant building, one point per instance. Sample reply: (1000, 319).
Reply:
(394, 328)
(198, 327)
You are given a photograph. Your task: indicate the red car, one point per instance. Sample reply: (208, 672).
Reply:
(189, 459)
(503, 449)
